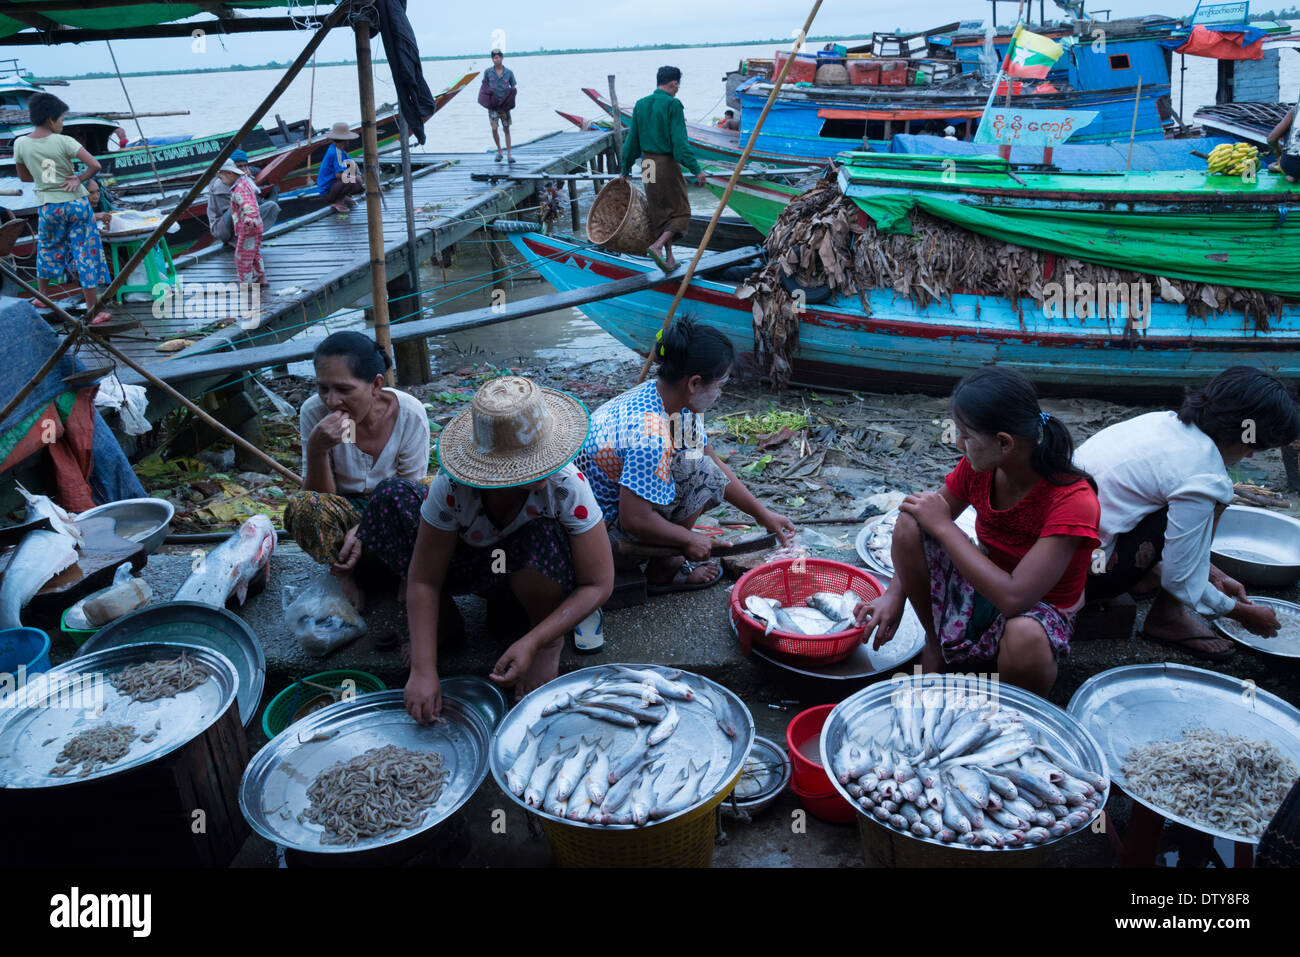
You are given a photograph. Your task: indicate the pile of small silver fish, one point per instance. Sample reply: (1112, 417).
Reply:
(825, 614)
(961, 770)
(588, 783)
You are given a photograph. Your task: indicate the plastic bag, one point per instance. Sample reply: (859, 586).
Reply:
(320, 615)
(76, 615)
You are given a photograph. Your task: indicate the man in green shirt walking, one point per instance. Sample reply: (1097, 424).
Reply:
(658, 136)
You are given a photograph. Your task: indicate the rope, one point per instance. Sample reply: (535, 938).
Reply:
(130, 106)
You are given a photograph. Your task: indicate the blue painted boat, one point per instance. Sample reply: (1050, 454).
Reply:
(901, 347)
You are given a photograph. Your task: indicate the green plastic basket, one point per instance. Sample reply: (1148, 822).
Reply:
(279, 714)
(78, 635)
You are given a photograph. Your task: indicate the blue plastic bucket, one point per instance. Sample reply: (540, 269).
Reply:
(29, 647)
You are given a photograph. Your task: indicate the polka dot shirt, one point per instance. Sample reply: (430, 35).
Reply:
(631, 445)
(566, 497)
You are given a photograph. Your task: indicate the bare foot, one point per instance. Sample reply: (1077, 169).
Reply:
(661, 571)
(546, 666)
(352, 591)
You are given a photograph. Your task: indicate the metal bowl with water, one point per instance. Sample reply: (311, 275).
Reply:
(1258, 547)
(143, 520)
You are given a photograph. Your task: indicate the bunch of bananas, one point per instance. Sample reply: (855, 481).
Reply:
(1233, 159)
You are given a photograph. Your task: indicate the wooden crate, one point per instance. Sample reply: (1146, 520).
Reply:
(144, 817)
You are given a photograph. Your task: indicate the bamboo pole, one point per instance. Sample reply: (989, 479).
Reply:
(81, 331)
(618, 121)
(1137, 98)
(414, 353)
(731, 184)
(374, 212)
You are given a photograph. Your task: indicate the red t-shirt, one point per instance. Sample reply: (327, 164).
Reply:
(1047, 509)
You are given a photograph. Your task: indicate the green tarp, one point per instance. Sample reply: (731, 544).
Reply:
(134, 15)
(1260, 251)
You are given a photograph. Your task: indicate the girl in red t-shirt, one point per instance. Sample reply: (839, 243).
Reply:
(1013, 598)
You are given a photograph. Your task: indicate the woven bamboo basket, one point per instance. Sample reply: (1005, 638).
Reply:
(685, 841)
(832, 74)
(619, 219)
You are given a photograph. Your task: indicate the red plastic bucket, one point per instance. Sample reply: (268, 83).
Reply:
(832, 808)
(805, 728)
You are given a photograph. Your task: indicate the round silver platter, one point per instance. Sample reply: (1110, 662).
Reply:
(865, 661)
(765, 775)
(965, 521)
(38, 720)
(1286, 644)
(872, 709)
(697, 738)
(274, 789)
(1141, 704)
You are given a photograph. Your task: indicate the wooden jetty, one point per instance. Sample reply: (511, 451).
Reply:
(321, 263)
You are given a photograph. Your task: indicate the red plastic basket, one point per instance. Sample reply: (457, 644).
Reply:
(790, 581)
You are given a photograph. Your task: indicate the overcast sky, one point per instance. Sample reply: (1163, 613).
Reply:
(451, 29)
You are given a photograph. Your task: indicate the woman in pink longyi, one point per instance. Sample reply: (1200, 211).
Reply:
(247, 222)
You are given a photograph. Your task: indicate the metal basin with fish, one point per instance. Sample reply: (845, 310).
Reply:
(697, 739)
(874, 538)
(274, 788)
(32, 732)
(192, 623)
(1141, 704)
(871, 710)
(1258, 546)
(1285, 644)
(143, 520)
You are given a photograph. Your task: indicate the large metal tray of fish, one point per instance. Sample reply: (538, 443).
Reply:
(864, 661)
(42, 721)
(1285, 644)
(274, 792)
(625, 743)
(965, 764)
(1140, 705)
(193, 623)
(876, 537)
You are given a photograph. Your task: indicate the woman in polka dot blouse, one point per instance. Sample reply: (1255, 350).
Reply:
(653, 472)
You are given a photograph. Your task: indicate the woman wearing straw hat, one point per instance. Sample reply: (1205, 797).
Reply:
(654, 473)
(510, 518)
(338, 180)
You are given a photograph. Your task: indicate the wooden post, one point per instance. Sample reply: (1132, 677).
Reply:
(411, 355)
(573, 206)
(618, 126)
(374, 212)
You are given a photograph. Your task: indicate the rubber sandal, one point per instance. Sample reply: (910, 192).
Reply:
(341, 207)
(679, 582)
(498, 159)
(1181, 644)
(589, 635)
(660, 261)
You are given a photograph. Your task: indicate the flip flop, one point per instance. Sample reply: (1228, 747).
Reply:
(679, 582)
(660, 261)
(1181, 644)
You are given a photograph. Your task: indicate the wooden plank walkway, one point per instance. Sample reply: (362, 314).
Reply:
(320, 263)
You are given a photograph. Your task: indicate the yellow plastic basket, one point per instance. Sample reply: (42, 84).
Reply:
(685, 841)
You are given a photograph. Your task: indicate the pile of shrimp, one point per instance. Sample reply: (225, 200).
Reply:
(377, 793)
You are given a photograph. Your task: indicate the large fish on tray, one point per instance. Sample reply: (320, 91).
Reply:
(40, 556)
(232, 566)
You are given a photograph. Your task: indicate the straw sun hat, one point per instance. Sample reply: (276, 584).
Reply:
(341, 131)
(514, 433)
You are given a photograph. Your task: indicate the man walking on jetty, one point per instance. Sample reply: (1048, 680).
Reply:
(658, 136)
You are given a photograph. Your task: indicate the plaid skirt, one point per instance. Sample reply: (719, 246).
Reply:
(701, 485)
(65, 237)
(386, 521)
(969, 626)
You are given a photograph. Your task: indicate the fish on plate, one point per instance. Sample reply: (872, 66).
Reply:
(40, 556)
(231, 567)
(797, 619)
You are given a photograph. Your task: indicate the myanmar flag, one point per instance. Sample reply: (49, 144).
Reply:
(1030, 55)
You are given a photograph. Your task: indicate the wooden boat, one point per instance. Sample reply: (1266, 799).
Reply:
(900, 347)
(1249, 122)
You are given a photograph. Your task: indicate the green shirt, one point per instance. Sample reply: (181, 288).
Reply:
(658, 126)
(50, 160)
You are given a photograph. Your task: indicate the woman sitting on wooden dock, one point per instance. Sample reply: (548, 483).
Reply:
(67, 239)
(511, 518)
(365, 449)
(654, 473)
(1012, 598)
(1163, 481)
